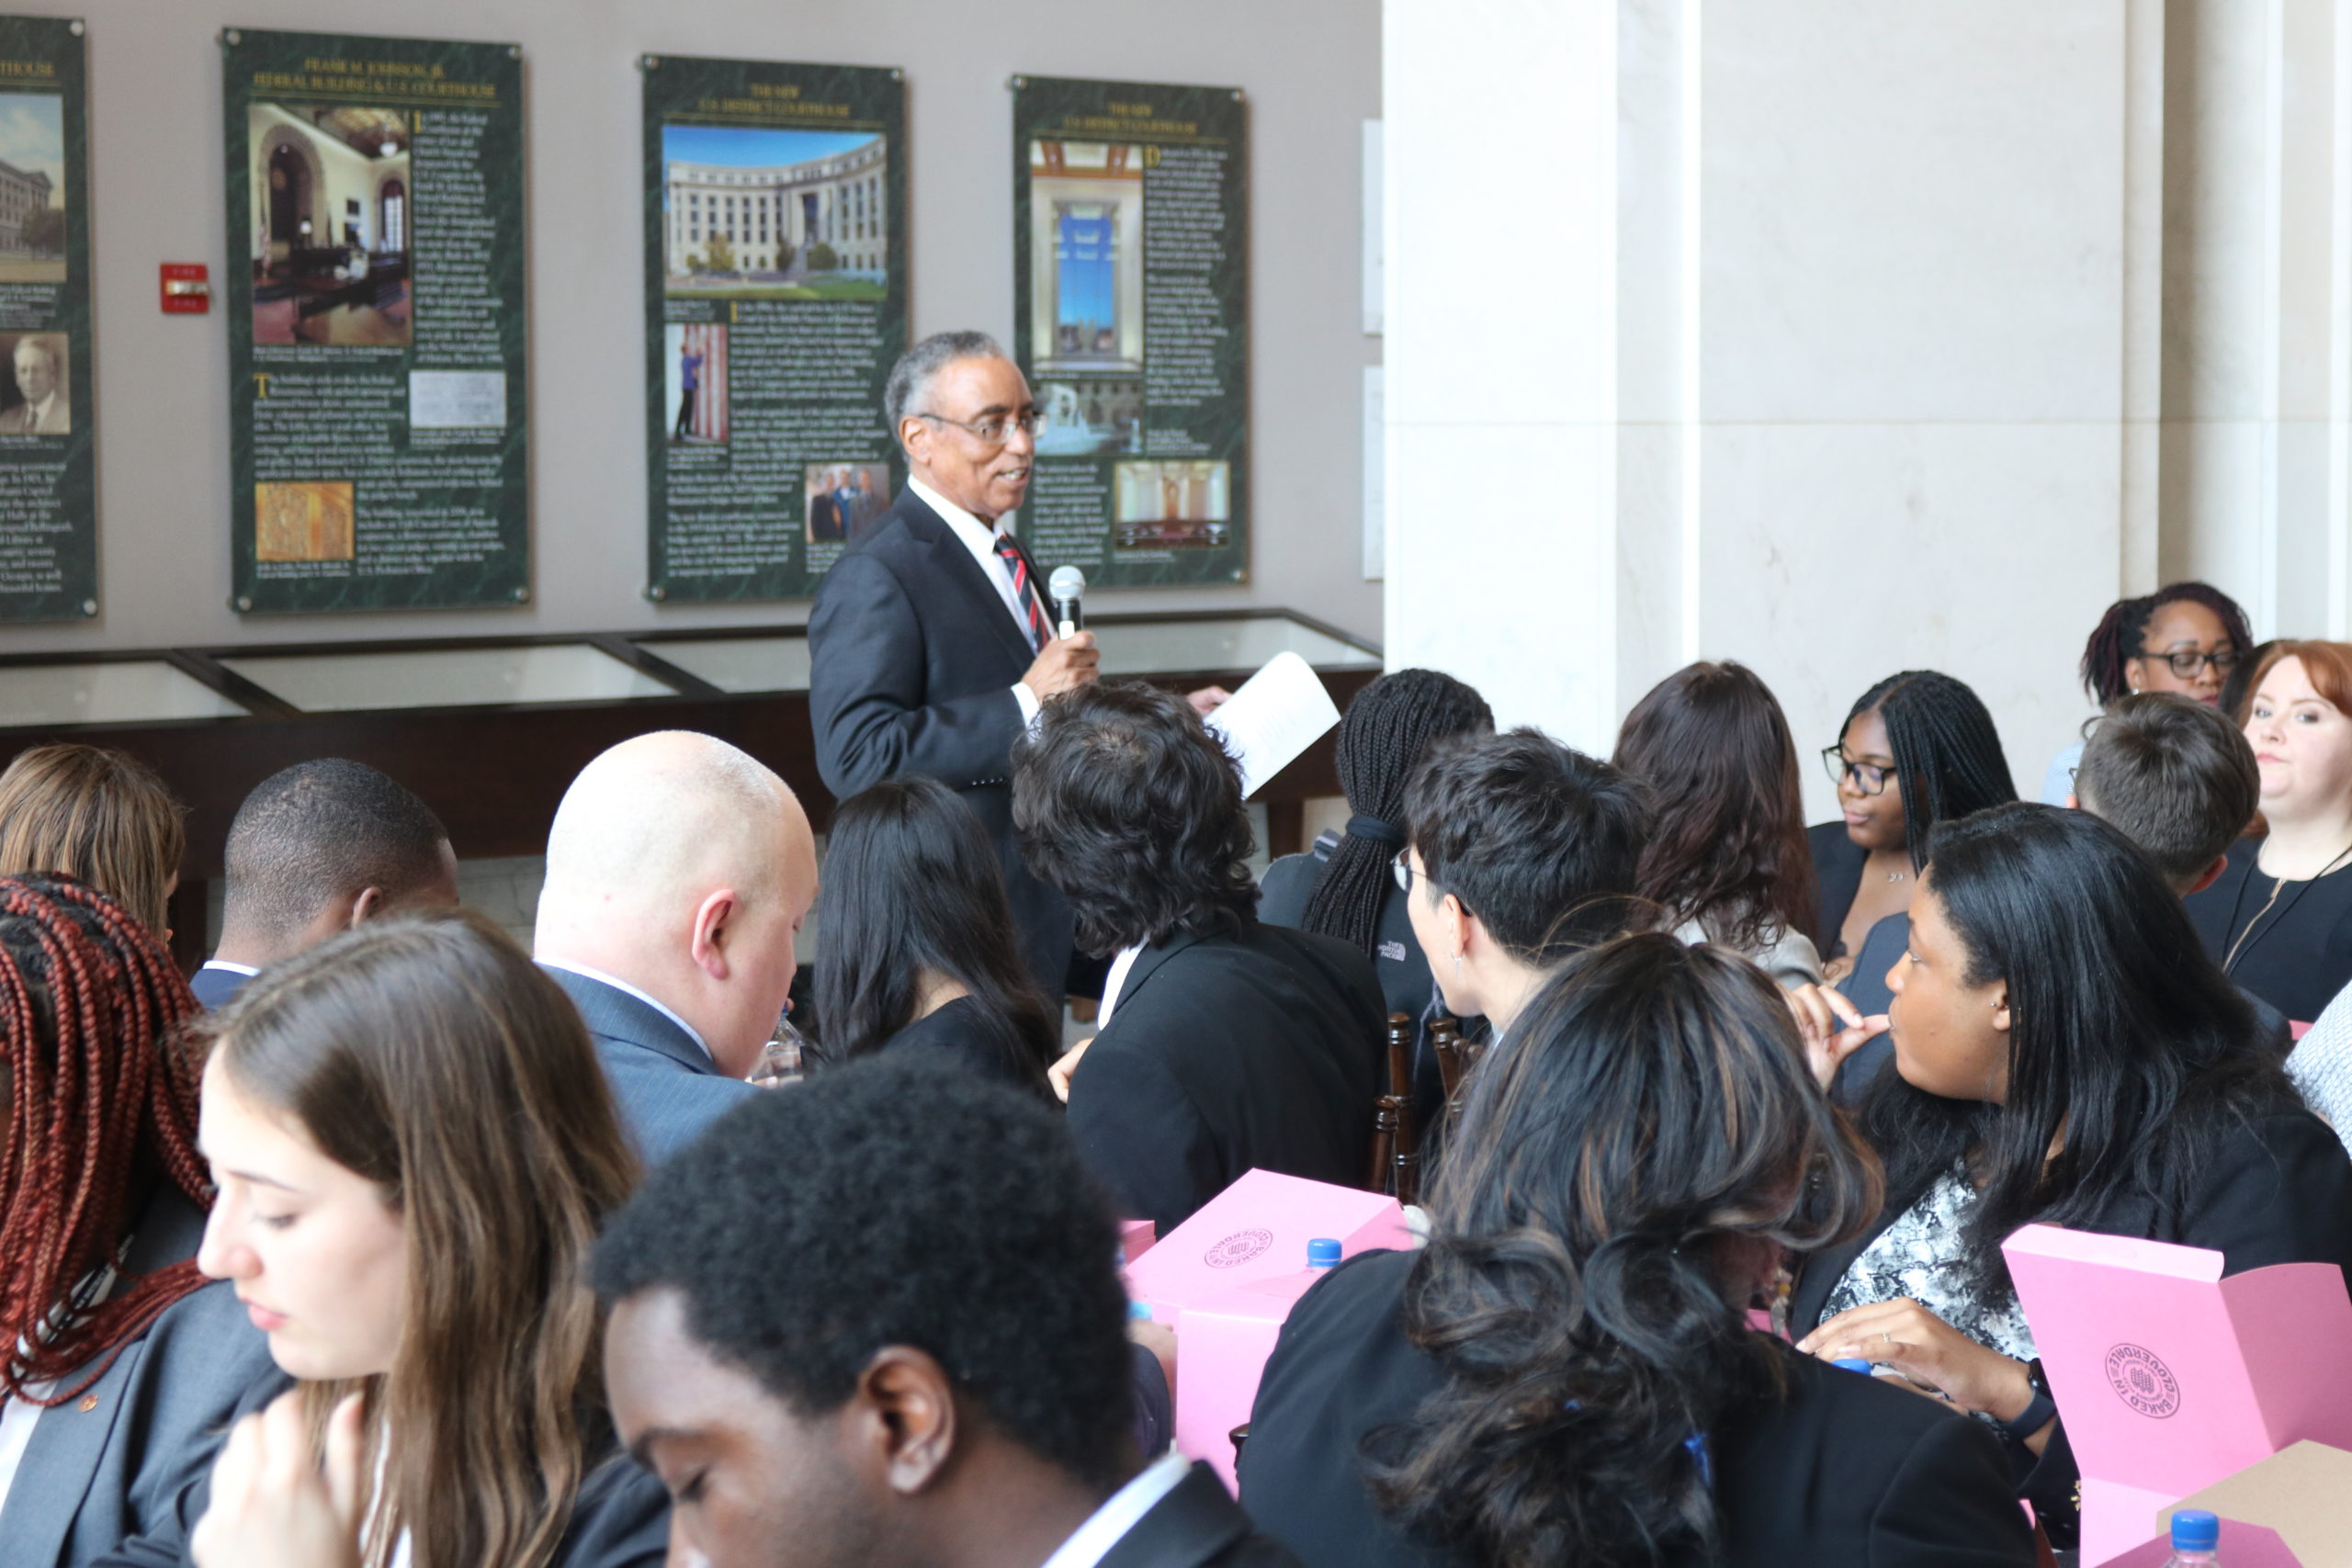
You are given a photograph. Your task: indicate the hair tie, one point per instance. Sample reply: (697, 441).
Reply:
(1375, 830)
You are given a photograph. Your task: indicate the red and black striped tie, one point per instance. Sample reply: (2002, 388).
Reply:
(1017, 564)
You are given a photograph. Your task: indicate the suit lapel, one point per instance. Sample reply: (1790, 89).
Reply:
(955, 564)
(1189, 1525)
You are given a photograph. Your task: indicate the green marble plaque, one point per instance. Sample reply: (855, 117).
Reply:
(776, 303)
(49, 510)
(1130, 287)
(378, 417)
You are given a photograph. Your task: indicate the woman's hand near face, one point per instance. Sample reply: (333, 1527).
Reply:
(1930, 1352)
(1833, 1029)
(272, 1506)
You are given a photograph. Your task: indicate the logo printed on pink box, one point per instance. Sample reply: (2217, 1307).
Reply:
(1238, 1249)
(2143, 1381)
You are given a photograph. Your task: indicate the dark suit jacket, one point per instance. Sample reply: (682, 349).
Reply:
(965, 1031)
(1196, 1525)
(667, 1086)
(2278, 1190)
(215, 987)
(1226, 1053)
(1837, 868)
(1841, 1470)
(620, 1519)
(92, 1477)
(912, 659)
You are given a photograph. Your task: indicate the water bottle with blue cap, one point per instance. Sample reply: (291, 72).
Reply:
(2195, 1536)
(1323, 1252)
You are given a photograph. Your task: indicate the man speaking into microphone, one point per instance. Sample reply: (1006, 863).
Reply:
(931, 644)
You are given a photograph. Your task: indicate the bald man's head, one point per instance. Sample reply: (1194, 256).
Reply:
(680, 864)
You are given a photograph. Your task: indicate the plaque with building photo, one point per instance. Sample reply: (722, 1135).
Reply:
(49, 525)
(376, 316)
(776, 301)
(1130, 305)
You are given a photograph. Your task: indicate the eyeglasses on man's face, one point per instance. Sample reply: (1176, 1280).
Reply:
(1402, 869)
(993, 431)
(1867, 777)
(2188, 664)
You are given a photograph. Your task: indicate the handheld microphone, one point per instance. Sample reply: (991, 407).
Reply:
(1067, 587)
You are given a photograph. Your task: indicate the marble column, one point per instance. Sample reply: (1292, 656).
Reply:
(1798, 332)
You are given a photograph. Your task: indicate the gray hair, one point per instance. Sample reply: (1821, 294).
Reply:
(910, 378)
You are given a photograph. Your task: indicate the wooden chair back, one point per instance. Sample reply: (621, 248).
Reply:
(1395, 1165)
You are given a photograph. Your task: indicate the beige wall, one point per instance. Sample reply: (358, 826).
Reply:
(1311, 69)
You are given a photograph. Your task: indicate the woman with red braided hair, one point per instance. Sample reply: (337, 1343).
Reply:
(2185, 637)
(126, 1365)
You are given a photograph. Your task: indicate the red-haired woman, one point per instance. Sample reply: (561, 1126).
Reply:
(126, 1366)
(2279, 919)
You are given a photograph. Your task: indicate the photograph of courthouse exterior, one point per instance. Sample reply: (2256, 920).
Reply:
(22, 198)
(824, 215)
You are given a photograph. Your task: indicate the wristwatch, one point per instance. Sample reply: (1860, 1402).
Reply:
(2037, 1414)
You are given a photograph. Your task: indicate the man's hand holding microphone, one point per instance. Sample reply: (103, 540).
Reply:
(1071, 659)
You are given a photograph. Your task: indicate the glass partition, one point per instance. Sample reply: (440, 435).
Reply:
(128, 692)
(777, 663)
(453, 677)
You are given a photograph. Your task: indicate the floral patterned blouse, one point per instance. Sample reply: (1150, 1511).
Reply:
(1920, 1255)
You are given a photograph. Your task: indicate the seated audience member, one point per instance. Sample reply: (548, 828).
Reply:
(2279, 918)
(1726, 859)
(1919, 748)
(1225, 1044)
(2321, 1066)
(2065, 1053)
(2179, 780)
(415, 1152)
(315, 849)
(949, 1389)
(919, 947)
(126, 1364)
(678, 871)
(2184, 639)
(99, 816)
(1519, 851)
(1565, 1374)
(1344, 887)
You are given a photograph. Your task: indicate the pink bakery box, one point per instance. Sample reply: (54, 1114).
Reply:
(1221, 1347)
(2171, 1378)
(1136, 1238)
(1256, 1229)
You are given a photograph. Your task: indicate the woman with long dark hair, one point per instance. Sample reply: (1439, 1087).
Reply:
(102, 1201)
(1918, 747)
(2065, 1053)
(2185, 638)
(919, 948)
(415, 1148)
(1566, 1373)
(1725, 859)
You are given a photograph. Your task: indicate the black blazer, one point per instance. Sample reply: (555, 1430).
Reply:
(2278, 1190)
(1837, 868)
(965, 1030)
(1196, 1525)
(667, 1087)
(2294, 952)
(912, 659)
(1224, 1053)
(1841, 1470)
(112, 1463)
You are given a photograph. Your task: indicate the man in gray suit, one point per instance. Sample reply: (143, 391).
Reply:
(40, 379)
(678, 871)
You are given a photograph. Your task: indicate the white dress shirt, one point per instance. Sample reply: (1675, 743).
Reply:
(980, 539)
(1114, 982)
(1109, 1524)
(617, 983)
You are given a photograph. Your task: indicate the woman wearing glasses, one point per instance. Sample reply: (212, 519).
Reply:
(1917, 749)
(2184, 639)
(2279, 918)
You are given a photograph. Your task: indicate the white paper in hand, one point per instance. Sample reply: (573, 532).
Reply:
(1277, 714)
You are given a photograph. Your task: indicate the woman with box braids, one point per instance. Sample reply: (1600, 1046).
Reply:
(100, 1107)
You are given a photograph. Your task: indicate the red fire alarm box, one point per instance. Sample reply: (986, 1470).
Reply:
(186, 292)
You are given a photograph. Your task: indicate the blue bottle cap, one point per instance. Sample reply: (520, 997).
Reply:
(1139, 1310)
(1853, 1364)
(2194, 1530)
(1323, 1252)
